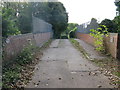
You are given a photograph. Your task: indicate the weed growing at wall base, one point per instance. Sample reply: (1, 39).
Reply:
(11, 73)
(18, 73)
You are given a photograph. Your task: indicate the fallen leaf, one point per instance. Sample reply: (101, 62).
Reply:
(37, 68)
(89, 73)
(39, 81)
(94, 74)
(99, 86)
(36, 85)
(37, 58)
(73, 72)
(47, 84)
(60, 78)
(81, 75)
(100, 82)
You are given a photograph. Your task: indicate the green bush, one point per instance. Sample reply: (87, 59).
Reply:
(26, 55)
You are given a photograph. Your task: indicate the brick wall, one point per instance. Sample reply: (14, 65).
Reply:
(42, 38)
(110, 42)
(15, 44)
(85, 37)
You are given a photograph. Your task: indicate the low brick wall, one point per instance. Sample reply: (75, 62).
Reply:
(15, 44)
(110, 42)
(85, 37)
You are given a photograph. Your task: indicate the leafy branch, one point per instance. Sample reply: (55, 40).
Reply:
(98, 36)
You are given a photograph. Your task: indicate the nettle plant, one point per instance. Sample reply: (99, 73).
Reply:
(99, 36)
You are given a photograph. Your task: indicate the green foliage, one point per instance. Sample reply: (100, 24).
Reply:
(70, 27)
(11, 74)
(25, 18)
(59, 18)
(70, 31)
(98, 37)
(118, 6)
(117, 18)
(26, 55)
(117, 22)
(9, 26)
(52, 12)
(111, 25)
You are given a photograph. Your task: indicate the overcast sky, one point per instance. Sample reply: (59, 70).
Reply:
(81, 11)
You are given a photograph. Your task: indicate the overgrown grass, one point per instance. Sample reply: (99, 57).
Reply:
(12, 72)
(80, 48)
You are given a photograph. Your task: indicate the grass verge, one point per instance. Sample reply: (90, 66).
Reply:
(80, 48)
(18, 73)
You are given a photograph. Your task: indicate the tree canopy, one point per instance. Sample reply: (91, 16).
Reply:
(117, 22)
(9, 22)
(21, 15)
(117, 18)
(118, 6)
(110, 24)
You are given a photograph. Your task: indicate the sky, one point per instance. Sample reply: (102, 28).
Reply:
(81, 11)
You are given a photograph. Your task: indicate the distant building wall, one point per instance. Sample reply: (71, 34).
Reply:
(85, 27)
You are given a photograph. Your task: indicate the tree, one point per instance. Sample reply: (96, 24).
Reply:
(16, 18)
(71, 28)
(25, 18)
(9, 26)
(41, 10)
(118, 6)
(59, 18)
(111, 25)
(117, 22)
(53, 13)
(117, 18)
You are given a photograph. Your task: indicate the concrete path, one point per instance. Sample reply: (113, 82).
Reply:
(63, 66)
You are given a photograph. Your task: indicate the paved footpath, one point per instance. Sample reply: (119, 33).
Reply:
(63, 66)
